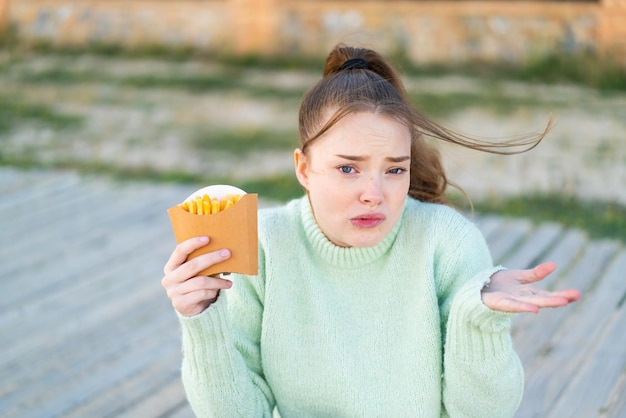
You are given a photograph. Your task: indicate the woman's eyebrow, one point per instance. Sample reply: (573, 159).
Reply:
(364, 157)
(352, 157)
(399, 159)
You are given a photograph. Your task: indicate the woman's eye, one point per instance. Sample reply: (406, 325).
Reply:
(346, 169)
(398, 170)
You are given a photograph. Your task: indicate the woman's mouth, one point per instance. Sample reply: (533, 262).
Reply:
(369, 220)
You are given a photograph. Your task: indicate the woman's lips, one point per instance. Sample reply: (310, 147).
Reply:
(369, 220)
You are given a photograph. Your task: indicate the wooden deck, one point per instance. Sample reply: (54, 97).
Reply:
(87, 331)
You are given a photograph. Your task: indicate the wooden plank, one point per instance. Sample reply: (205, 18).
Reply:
(38, 187)
(488, 224)
(166, 400)
(79, 315)
(15, 181)
(148, 382)
(534, 247)
(99, 212)
(587, 391)
(90, 334)
(615, 407)
(83, 281)
(534, 336)
(565, 254)
(505, 238)
(551, 373)
(112, 238)
(43, 214)
(52, 306)
(56, 399)
(42, 371)
(184, 411)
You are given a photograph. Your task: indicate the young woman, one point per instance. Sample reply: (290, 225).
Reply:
(374, 298)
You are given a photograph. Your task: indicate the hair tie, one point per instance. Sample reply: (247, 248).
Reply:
(354, 64)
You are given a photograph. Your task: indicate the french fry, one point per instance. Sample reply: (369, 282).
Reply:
(199, 205)
(206, 205)
(215, 205)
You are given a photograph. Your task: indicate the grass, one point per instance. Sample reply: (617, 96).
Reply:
(441, 105)
(243, 140)
(430, 103)
(15, 111)
(276, 188)
(598, 219)
(228, 80)
(585, 68)
(290, 60)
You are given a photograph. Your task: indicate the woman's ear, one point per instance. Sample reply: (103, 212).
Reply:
(302, 167)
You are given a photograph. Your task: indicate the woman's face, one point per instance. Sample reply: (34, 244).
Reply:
(357, 178)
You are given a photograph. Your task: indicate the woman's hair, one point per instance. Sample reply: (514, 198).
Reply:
(361, 80)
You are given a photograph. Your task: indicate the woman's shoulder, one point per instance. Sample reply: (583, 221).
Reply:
(279, 218)
(433, 212)
(437, 220)
(273, 211)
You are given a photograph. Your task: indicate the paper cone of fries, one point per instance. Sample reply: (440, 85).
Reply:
(232, 224)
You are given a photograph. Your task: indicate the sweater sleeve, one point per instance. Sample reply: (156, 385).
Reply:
(482, 376)
(221, 371)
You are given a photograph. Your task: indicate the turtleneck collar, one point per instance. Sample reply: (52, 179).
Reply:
(344, 257)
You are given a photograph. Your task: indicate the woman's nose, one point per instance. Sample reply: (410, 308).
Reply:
(372, 193)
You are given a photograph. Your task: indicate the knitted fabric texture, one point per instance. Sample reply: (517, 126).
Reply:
(394, 330)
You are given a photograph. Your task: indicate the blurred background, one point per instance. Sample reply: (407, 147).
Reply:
(112, 111)
(205, 91)
(208, 91)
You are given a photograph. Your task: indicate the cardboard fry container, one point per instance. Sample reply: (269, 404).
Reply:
(234, 228)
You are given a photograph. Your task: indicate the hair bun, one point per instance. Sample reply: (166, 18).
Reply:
(354, 64)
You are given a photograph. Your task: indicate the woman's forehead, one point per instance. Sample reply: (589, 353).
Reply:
(366, 129)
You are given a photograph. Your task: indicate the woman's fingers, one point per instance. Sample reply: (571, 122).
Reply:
(196, 294)
(504, 303)
(539, 272)
(529, 299)
(512, 291)
(190, 293)
(202, 283)
(573, 295)
(182, 251)
(192, 267)
(544, 301)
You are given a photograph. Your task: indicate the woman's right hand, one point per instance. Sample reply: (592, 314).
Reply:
(192, 294)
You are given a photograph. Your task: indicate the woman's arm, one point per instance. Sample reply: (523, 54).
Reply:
(220, 378)
(221, 369)
(482, 374)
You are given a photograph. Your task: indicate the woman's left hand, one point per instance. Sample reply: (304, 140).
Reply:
(513, 291)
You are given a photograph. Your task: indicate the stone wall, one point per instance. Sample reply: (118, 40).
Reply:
(426, 31)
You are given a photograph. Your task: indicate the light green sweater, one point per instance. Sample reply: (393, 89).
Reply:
(396, 330)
